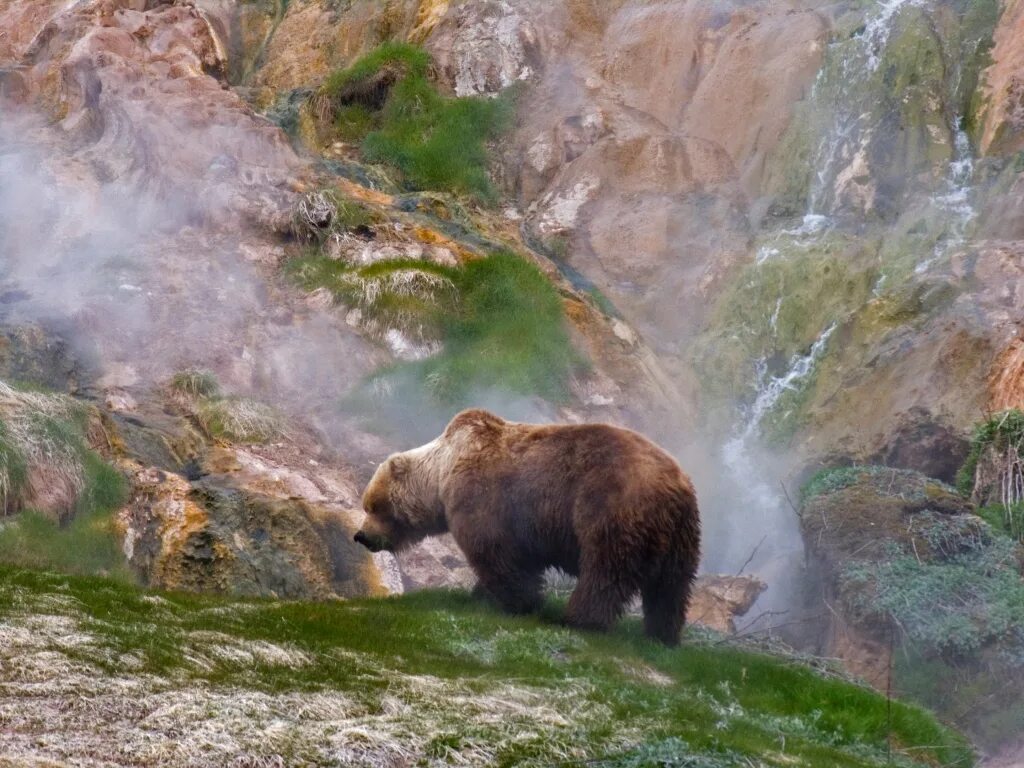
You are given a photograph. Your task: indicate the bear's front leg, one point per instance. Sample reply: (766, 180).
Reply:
(515, 591)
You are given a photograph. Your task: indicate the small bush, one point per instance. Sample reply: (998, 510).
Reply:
(387, 102)
(957, 604)
(324, 213)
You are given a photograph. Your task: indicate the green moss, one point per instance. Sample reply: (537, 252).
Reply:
(387, 102)
(776, 309)
(621, 700)
(1005, 429)
(499, 319)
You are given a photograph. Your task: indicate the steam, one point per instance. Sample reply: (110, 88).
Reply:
(140, 290)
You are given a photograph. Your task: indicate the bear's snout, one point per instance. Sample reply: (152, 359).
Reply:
(372, 543)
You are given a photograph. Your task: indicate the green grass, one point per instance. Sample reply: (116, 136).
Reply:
(12, 472)
(500, 320)
(387, 102)
(88, 543)
(1007, 520)
(195, 383)
(626, 700)
(1004, 430)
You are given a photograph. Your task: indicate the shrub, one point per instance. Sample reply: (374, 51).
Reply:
(969, 597)
(387, 102)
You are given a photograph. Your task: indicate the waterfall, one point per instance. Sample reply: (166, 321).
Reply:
(956, 200)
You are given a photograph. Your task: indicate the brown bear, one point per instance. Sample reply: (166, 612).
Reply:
(596, 501)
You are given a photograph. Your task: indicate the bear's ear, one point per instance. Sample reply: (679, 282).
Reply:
(398, 466)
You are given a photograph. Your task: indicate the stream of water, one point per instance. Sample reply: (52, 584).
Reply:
(840, 160)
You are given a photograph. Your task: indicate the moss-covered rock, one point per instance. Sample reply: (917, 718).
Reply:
(907, 568)
(776, 309)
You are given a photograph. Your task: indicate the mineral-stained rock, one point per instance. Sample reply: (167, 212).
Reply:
(1002, 87)
(481, 48)
(210, 537)
(131, 79)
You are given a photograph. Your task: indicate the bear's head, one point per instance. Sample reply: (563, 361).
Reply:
(402, 503)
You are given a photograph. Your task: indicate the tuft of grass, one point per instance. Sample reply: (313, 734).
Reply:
(88, 543)
(239, 420)
(13, 472)
(387, 102)
(195, 383)
(440, 676)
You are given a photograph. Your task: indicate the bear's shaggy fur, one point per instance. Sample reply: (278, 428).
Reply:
(596, 501)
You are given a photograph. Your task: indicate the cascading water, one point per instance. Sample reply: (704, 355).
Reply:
(839, 194)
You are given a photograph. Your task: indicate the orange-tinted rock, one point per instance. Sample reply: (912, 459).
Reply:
(1002, 90)
(1006, 385)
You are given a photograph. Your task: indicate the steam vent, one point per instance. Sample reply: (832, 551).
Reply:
(294, 292)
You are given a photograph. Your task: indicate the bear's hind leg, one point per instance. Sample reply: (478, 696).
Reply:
(598, 599)
(665, 599)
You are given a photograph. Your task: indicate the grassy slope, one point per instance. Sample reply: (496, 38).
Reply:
(431, 678)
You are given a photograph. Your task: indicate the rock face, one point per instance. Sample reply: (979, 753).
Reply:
(1001, 120)
(633, 157)
(129, 77)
